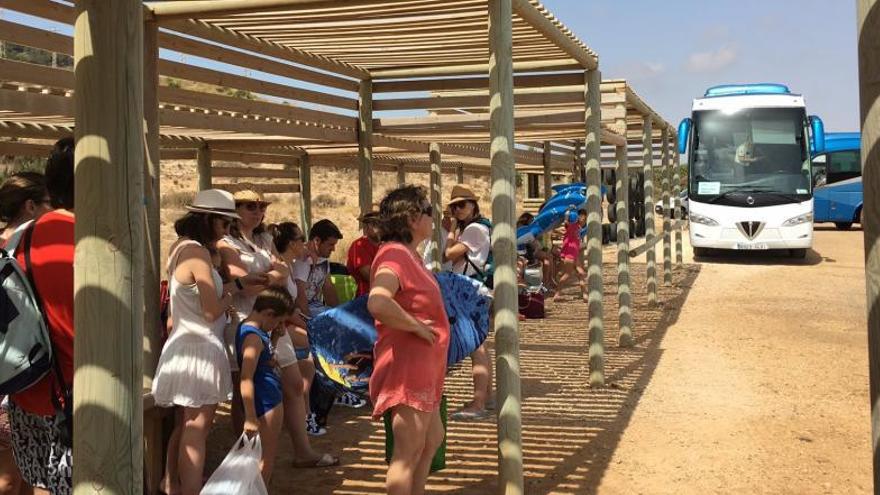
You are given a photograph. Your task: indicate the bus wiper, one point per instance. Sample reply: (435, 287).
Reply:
(790, 197)
(724, 195)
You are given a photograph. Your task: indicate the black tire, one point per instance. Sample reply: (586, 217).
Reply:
(701, 252)
(640, 227)
(632, 228)
(611, 195)
(612, 213)
(612, 232)
(798, 253)
(605, 233)
(843, 225)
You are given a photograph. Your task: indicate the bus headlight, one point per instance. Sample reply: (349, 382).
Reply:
(791, 222)
(703, 220)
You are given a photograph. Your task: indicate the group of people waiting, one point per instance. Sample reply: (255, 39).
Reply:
(240, 296)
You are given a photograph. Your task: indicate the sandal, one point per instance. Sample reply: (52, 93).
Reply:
(326, 460)
(469, 415)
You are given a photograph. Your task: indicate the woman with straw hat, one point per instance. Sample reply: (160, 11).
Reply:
(193, 370)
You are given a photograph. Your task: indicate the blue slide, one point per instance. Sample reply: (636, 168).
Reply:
(551, 215)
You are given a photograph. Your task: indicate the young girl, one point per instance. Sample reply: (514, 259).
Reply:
(260, 383)
(571, 247)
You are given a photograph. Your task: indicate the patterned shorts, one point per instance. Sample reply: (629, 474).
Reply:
(41, 458)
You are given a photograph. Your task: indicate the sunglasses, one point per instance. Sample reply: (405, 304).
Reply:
(458, 206)
(253, 205)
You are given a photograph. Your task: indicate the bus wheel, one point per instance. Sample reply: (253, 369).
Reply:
(843, 225)
(798, 253)
(701, 252)
(861, 218)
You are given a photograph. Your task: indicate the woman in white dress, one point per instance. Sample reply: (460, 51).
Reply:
(247, 249)
(193, 371)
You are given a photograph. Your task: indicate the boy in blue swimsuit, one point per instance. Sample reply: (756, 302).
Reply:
(260, 382)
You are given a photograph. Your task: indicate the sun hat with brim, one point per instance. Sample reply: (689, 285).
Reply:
(462, 193)
(214, 201)
(249, 196)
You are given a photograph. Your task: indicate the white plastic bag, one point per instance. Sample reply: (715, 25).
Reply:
(239, 473)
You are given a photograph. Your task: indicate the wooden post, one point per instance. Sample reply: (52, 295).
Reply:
(436, 189)
(203, 161)
(153, 437)
(624, 295)
(592, 146)
(868, 14)
(401, 174)
(648, 167)
(548, 173)
(667, 235)
(459, 175)
(365, 146)
(501, 132)
(109, 254)
(676, 194)
(576, 164)
(305, 194)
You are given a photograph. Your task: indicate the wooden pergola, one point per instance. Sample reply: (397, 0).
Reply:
(486, 86)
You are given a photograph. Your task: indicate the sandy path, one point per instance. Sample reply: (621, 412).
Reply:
(751, 377)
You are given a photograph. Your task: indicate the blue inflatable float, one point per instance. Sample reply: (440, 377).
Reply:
(551, 215)
(342, 338)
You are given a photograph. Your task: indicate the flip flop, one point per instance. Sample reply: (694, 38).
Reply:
(469, 415)
(326, 460)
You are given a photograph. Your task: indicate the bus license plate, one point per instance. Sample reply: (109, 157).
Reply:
(751, 246)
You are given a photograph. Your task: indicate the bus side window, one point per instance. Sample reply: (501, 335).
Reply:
(843, 165)
(819, 170)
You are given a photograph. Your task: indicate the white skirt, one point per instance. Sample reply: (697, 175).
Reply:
(193, 371)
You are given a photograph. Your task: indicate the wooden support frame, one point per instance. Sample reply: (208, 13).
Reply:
(305, 194)
(595, 289)
(648, 169)
(365, 147)
(868, 15)
(506, 304)
(459, 175)
(677, 211)
(401, 174)
(528, 12)
(436, 188)
(624, 294)
(667, 235)
(203, 159)
(109, 259)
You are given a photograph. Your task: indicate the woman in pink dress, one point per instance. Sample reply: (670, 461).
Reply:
(571, 247)
(409, 365)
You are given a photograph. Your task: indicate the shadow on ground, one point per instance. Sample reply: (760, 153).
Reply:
(570, 431)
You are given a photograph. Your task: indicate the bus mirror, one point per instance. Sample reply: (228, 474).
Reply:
(817, 141)
(684, 129)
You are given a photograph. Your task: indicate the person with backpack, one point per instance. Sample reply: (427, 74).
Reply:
(41, 411)
(469, 248)
(23, 199)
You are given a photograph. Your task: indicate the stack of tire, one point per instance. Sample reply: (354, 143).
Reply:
(636, 205)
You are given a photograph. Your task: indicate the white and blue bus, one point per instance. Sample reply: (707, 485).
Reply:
(749, 169)
(837, 178)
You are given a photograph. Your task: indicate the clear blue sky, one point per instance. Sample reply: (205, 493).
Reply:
(672, 51)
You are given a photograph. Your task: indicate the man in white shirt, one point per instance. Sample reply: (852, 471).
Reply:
(316, 292)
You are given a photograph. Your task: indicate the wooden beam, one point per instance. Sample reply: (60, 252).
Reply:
(253, 172)
(401, 174)
(177, 154)
(187, 9)
(365, 147)
(648, 170)
(505, 304)
(467, 69)
(233, 38)
(595, 283)
(109, 255)
(11, 148)
(436, 188)
(868, 15)
(305, 194)
(667, 235)
(459, 175)
(553, 32)
(153, 438)
(676, 193)
(224, 155)
(274, 188)
(460, 83)
(203, 159)
(624, 296)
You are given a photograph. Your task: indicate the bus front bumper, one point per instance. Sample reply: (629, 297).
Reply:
(731, 237)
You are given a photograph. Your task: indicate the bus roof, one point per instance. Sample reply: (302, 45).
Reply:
(841, 141)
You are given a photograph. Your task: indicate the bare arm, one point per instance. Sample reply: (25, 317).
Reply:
(229, 256)
(364, 272)
(197, 261)
(250, 353)
(301, 301)
(384, 308)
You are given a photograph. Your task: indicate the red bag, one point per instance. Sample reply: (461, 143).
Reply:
(531, 305)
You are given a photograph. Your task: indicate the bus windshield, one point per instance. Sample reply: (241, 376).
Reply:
(754, 151)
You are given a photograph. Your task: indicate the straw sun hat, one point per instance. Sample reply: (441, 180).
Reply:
(462, 193)
(214, 201)
(249, 196)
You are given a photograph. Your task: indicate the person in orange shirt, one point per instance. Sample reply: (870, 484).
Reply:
(362, 252)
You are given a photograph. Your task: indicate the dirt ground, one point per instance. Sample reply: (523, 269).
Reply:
(751, 377)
